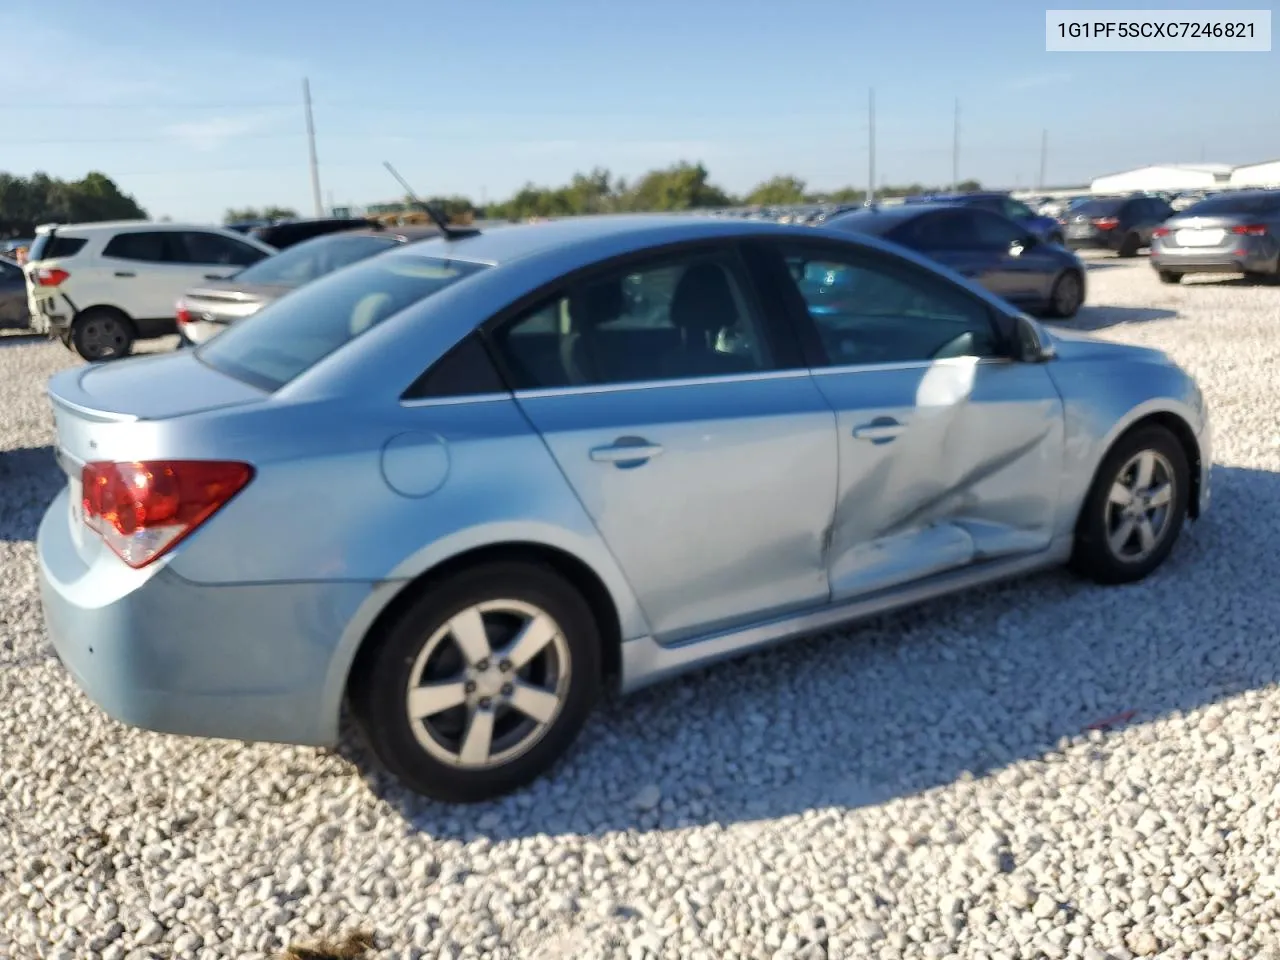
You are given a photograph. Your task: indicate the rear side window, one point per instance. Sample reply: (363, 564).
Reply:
(1226, 204)
(46, 247)
(151, 247)
(288, 337)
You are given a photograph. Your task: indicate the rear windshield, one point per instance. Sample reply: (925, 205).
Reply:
(51, 247)
(314, 258)
(289, 336)
(1225, 204)
(1097, 208)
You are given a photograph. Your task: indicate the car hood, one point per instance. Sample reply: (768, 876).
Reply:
(1071, 346)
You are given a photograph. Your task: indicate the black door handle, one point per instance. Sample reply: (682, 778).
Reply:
(121, 273)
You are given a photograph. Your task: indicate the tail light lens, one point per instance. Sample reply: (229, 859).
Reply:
(46, 277)
(1106, 223)
(1160, 232)
(1250, 230)
(182, 312)
(142, 510)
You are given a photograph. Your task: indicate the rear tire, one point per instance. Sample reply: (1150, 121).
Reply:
(1129, 246)
(473, 738)
(1168, 276)
(1135, 509)
(101, 333)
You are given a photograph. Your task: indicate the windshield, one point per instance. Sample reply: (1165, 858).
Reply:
(288, 337)
(314, 258)
(1225, 204)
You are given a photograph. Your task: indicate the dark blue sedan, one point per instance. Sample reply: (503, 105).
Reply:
(1006, 258)
(1046, 228)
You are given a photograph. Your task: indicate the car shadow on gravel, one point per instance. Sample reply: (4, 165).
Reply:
(953, 690)
(1101, 318)
(29, 479)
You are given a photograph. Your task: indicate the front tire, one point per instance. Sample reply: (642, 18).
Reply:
(101, 334)
(482, 683)
(1135, 509)
(1067, 295)
(1129, 246)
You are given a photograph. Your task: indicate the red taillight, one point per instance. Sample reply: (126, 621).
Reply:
(45, 277)
(182, 312)
(1160, 232)
(1106, 223)
(1250, 230)
(142, 510)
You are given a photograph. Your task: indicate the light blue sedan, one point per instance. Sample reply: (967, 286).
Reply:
(468, 485)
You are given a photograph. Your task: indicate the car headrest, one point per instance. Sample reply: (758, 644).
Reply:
(596, 303)
(703, 300)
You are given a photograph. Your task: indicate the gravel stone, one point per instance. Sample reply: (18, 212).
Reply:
(923, 784)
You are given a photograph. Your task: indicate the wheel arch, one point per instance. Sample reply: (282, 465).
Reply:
(1181, 429)
(400, 594)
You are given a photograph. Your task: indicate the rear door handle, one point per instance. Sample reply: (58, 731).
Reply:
(879, 430)
(125, 273)
(627, 452)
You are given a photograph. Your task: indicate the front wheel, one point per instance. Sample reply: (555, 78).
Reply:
(1130, 245)
(1066, 296)
(482, 683)
(1135, 509)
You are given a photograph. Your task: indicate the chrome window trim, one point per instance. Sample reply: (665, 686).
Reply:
(797, 373)
(454, 401)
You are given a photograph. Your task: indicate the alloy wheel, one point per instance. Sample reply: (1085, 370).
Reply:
(1140, 506)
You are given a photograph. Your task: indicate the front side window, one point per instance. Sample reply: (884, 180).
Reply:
(215, 250)
(948, 230)
(289, 336)
(684, 317)
(877, 310)
(994, 232)
(145, 246)
(1017, 210)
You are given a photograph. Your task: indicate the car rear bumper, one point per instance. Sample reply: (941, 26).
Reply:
(1218, 261)
(197, 332)
(154, 650)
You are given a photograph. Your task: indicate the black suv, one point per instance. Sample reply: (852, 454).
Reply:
(286, 233)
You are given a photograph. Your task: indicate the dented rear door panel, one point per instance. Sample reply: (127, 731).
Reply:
(941, 464)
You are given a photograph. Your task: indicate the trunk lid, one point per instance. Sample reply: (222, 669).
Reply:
(100, 411)
(1202, 233)
(230, 302)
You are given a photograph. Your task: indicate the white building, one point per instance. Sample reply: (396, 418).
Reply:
(1265, 174)
(1166, 176)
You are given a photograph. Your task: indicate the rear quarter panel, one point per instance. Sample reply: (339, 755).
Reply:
(322, 505)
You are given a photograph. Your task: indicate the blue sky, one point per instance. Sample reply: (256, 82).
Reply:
(197, 107)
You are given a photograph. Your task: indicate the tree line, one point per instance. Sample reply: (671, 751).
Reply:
(26, 202)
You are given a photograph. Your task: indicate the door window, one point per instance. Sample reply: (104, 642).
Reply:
(145, 246)
(684, 317)
(212, 249)
(949, 230)
(877, 310)
(1016, 210)
(994, 232)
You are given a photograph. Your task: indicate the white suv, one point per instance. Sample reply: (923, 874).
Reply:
(98, 287)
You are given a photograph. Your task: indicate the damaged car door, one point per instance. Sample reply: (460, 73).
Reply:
(950, 451)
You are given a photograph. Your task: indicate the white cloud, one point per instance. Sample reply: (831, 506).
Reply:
(209, 134)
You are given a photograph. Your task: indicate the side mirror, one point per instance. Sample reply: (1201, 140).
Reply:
(1034, 342)
(1026, 243)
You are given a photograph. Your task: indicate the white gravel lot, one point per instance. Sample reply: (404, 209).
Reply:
(920, 787)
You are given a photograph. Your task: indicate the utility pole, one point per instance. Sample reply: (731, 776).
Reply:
(871, 145)
(1044, 157)
(311, 144)
(955, 150)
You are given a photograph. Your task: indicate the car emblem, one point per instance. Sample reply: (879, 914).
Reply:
(207, 316)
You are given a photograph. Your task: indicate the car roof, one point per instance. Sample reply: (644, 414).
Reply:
(518, 241)
(125, 226)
